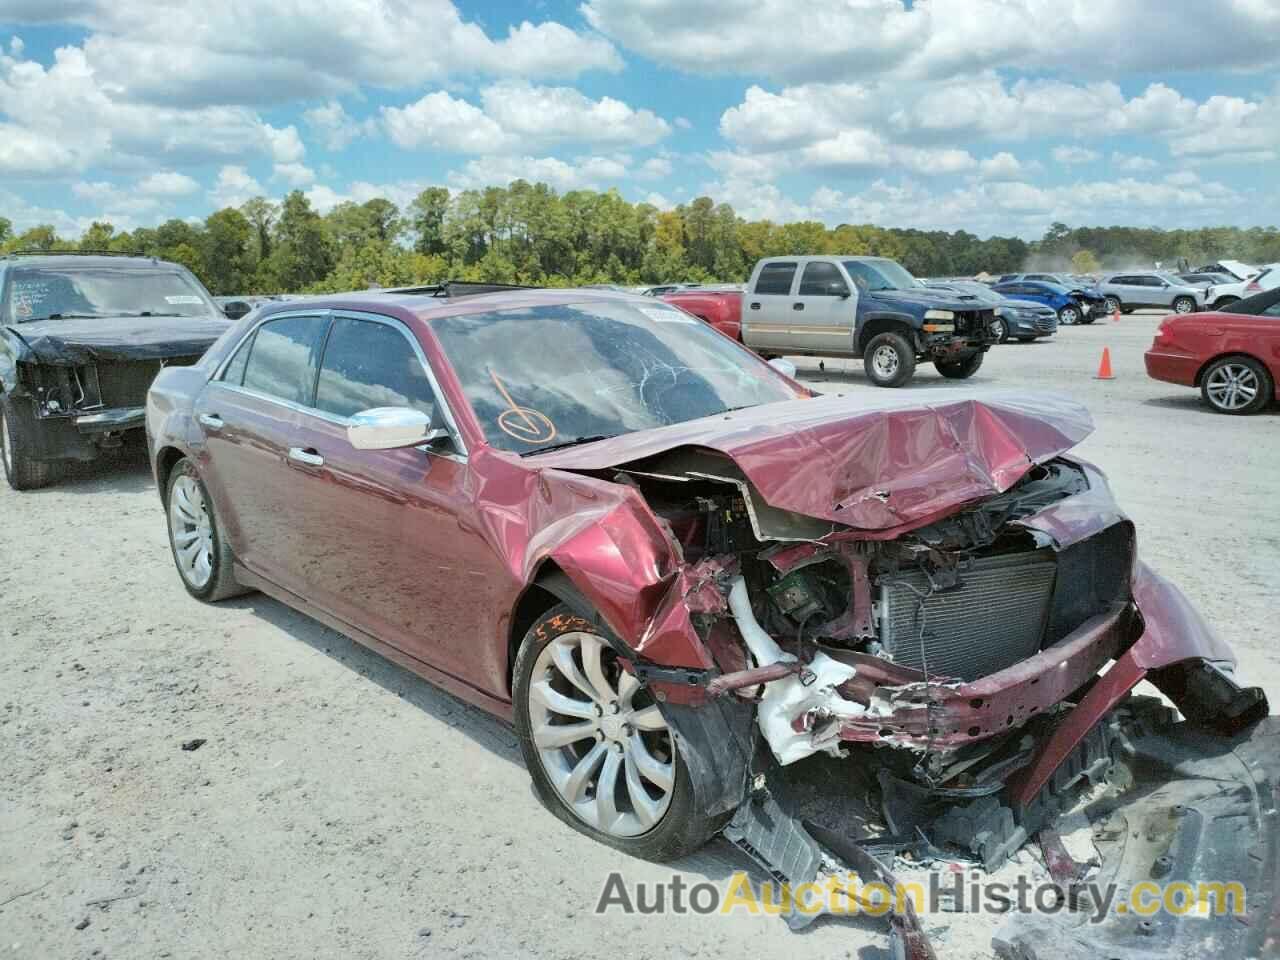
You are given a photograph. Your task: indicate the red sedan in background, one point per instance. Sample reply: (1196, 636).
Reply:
(1234, 358)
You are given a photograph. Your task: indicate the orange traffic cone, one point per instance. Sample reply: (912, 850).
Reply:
(1104, 368)
(1115, 316)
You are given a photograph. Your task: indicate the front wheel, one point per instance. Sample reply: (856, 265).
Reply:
(21, 470)
(1069, 316)
(597, 746)
(1113, 304)
(1236, 385)
(999, 331)
(200, 552)
(889, 360)
(1184, 305)
(960, 369)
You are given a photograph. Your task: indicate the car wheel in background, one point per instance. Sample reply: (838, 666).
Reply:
(959, 369)
(1184, 305)
(889, 360)
(597, 746)
(1069, 316)
(999, 330)
(1113, 304)
(17, 422)
(1236, 385)
(201, 554)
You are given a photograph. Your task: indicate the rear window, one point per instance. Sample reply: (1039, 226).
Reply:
(41, 293)
(775, 278)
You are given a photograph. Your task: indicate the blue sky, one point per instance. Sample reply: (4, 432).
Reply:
(995, 116)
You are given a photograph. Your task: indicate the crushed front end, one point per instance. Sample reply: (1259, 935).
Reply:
(969, 668)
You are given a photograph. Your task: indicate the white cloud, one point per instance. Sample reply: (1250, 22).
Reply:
(518, 116)
(852, 39)
(1073, 156)
(584, 172)
(684, 123)
(1132, 163)
(334, 126)
(1001, 166)
(105, 196)
(234, 186)
(167, 183)
(200, 53)
(294, 174)
(655, 168)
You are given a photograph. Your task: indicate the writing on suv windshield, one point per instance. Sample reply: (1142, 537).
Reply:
(45, 293)
(546, 377)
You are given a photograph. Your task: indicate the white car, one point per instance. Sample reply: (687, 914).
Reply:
(1221, 295)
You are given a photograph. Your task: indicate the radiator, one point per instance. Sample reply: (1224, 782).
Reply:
(992, 620)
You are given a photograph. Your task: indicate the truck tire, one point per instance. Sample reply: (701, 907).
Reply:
(890, 361)
(17, 425)
(960, 369)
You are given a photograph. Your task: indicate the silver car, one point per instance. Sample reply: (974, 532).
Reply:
(1129, 291)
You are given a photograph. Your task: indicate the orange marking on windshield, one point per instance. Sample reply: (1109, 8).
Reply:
(524, 423)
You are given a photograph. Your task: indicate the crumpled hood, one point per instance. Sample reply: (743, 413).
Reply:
(874, 466)
(76, 341)
(942, 299)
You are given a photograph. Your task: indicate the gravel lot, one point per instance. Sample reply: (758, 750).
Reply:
(342, 807)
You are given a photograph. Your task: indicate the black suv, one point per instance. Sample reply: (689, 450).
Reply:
(81, 339)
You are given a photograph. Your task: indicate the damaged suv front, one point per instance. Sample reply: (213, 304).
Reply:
(81, 339)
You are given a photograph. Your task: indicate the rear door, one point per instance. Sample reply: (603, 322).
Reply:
(767, 307)
(823, 310)
(1130, 290)
(248, 414)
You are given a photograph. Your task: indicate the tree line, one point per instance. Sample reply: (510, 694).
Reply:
(529, 233)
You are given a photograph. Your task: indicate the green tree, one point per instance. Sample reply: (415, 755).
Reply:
(1083, 261)
(302, 251)
(228, 252)
(97, 236)
(427, 213)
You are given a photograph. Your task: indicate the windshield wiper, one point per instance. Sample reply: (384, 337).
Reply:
(65, 316)
(571, 443)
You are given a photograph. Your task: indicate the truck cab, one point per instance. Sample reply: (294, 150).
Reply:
(864, 307)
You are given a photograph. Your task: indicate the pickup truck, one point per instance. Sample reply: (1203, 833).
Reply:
(845, 306)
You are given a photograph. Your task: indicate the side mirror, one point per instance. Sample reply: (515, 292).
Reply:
(837, 289)
(784, 367)
(236, 309)
(390, 428)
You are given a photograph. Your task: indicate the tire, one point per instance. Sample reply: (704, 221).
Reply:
(1184, 305)
(961, 369)
(1113, 304)
(17, 426)
(1000, 330)
(1224, 302)
(886, 372)
(671, 826)
(1069, 316)
(1236, 386)
(183, 512)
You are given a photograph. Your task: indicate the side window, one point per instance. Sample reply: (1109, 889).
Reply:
(369, 365)
(775, 278)
(282, 362)
(822, 280)
(1273, 310)
(234, 372)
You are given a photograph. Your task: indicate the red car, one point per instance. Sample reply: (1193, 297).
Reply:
(717, 306)
(679, 573)
(1233, 355)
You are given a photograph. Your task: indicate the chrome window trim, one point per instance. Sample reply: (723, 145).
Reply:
(328, 315)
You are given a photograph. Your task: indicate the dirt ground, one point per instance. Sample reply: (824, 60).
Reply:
(341, 807)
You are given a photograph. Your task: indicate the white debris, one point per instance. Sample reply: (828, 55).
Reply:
(790, 697)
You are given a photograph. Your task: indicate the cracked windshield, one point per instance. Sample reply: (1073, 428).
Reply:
(101, 292)
(546, 377)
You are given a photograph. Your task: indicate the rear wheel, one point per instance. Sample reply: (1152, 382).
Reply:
(1113, 304)
(17, 426)
(1069, 316)
(960, 369)
(890, 361)
(1184, 305)
(597, 746)
(200, 552)
(1236, 385)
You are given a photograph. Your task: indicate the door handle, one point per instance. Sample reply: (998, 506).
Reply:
(211, 420)
(797, 306)
(308, 457)
(755, 306)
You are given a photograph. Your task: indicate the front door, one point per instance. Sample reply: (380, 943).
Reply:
(823, 310)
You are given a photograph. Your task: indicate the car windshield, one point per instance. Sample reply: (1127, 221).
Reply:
(547, 376)
(880, 275)
(38, 293)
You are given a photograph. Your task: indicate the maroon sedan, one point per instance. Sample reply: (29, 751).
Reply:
(677, 571)
(1232, 355)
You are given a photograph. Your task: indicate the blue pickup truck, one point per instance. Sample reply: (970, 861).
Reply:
(867, 307)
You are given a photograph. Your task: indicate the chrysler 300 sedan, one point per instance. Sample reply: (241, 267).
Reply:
(683, 576)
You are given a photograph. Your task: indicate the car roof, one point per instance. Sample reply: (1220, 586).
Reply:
(84, 260)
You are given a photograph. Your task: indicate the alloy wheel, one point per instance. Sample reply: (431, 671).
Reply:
(1070, 315)
(1232, 386)
(885, 361)
(192, 531)
(1182, 305)
(601, 739)
(997, 329)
